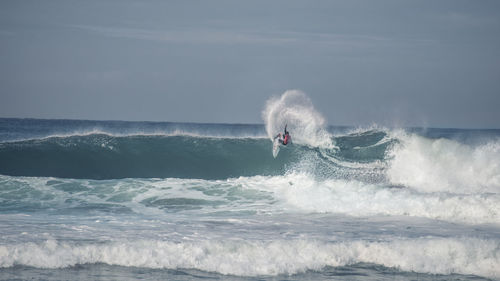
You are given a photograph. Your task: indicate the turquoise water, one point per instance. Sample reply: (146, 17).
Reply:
(110, 200)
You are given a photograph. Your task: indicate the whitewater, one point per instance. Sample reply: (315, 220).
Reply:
(108, 200)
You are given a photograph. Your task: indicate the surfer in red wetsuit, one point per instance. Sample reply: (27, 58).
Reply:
(285, 139)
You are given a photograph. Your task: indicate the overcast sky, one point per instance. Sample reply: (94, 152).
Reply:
(394, 63)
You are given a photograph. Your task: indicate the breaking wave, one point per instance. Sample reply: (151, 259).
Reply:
(435, 165)
(260, 258)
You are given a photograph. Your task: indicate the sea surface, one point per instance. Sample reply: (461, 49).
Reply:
(113, 200)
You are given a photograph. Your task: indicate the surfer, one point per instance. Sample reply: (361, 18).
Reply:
(285, 138)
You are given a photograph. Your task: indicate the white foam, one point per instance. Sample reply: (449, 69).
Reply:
(302, 193)
(436, 165)
(306, 125)
(254, 258)
(294, 192)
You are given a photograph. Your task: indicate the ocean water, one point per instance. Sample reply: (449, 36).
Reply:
(109, 200)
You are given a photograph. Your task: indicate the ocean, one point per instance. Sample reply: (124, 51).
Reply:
(116, 200)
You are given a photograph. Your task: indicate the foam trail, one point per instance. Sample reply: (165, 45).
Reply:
(257, 258)
(305, 124)
(444, 165)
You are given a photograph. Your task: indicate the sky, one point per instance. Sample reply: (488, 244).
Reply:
(423, 63)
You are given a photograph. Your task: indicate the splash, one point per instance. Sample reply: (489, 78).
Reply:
(295, 109)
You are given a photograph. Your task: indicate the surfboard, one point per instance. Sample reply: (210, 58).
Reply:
(276, 147)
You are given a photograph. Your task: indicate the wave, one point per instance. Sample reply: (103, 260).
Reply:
(99, 156)
(104, 156)
(264, 258)
(391, 158)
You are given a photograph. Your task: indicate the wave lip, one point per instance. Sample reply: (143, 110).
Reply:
(260, 258)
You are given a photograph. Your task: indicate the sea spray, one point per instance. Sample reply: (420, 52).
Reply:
(294, 109)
